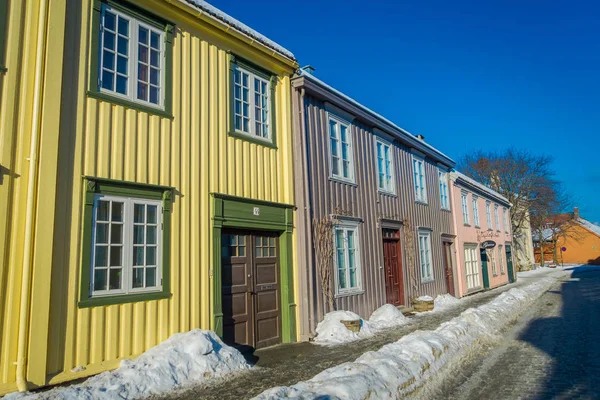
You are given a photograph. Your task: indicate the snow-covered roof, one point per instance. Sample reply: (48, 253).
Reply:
(591, 226)
(547, 234)
(214, 12)
(480, 186)
(380, 117)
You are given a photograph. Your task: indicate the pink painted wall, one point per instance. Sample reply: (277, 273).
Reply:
(471, 234)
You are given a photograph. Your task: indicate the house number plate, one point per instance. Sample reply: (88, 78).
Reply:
(256, 211)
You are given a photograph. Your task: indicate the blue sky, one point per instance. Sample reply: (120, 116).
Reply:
(467, 75)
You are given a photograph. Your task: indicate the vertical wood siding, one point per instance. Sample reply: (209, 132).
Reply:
(191, 152)
(321, 195)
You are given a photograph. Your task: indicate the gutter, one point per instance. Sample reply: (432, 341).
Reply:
(30, 205)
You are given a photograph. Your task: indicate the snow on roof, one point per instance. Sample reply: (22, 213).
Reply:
(240, 27)
(481, 186)
(592, 227)
(373, 113)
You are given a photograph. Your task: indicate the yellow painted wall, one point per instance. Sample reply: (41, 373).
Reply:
(192, 152)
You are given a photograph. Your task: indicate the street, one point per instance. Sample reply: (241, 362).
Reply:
(551, 352)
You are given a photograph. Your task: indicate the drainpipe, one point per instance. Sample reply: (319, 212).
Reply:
(30, 207)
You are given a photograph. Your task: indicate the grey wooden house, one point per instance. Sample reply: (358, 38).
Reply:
(386, 193)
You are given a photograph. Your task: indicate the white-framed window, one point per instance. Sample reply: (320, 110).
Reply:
(251, 104)
(444, 199)
(131, 59)
(505, 219)
(475, 200)
(465, 207)
(347, 258)
(126, 246)
(501, 259)
(496, 219)
(340, 149)
(492, 260)
(419, 179)
(425, 259)
(385, 166)
(471, 267)
(488, 215)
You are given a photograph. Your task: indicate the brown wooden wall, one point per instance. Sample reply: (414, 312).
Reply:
(318, 195)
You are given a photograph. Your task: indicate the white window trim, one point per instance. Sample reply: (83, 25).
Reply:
(127, 256)
(473, 262)
(464, 202)
(496, 217)
(252, 105)
(427, 234)
(347, 226)
(475, 205)
(418, 197)
(340, 177)
(500, 259)
(492, 260)
(392, 188)
(134, 24)
(488, 215)
(505, 219)
(443, 181)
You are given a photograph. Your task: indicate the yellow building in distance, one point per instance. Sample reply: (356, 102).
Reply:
(146, 184)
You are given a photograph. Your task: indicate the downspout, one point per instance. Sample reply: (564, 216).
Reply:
(30, 207)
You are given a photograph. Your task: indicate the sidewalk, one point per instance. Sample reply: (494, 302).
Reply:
(287, 364)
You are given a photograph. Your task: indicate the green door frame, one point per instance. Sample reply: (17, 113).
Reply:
(231, 212)
(509, 262)
(484, 268)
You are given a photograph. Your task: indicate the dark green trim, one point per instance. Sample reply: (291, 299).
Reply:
(3, 33)
(236, 212)
(484, 268)
(94, 186)
(150, 19)
(272, 78)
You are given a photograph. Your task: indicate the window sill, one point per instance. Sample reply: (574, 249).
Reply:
(386, 193)
(129, 104)
(349, 293)
(122, 299)
(446, 209)
(340, 180)
(422, 202)
(249, 138)
(427, 281)
(469, 225)
(477, 226)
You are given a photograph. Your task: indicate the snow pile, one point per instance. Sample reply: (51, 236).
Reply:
(445, 302)
(387, 316)
(535, 272)
(425, 298)
(185, 358)
(400, 367)
(331, 331)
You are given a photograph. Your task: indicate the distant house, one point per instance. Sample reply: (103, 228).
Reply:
(568, 239)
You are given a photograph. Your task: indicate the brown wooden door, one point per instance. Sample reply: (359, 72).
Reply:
(250, 289)
(448, 268)
(394, 282)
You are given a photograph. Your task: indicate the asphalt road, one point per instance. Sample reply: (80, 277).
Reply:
(551, 352)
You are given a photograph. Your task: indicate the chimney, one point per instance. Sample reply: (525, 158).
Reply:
(421, 137)
(309, 69)
(576, 212)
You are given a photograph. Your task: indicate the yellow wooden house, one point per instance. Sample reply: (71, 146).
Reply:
(146, 183)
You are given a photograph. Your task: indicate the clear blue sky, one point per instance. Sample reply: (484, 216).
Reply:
(519, 72)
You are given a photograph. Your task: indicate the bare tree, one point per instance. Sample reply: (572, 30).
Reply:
(324, 248)
(525, 179)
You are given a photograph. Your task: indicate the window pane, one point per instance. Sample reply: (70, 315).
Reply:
(342, 279)
(117, 212)
(109, 40)
(116, 253)
(138, 234)
(154, 58)
(343, 133)
(108, 80)
(100, 279)
(139, 213)
(150, 277)
(101, 233)
(108, 60)
(154, 74)
(351, 235)
(109, 20)
(151, 255)
(138, 255)
(101, 259)
(143, 54)
(138, 277)
(121, 85)
(115, 279)
(353, 282)
(339, 235)
(123, 27)
(123, 46)
(334, 147)
(332, 130)
(154, 40)
(122, 65)
(102, 211)
(116, 234)
(150, 234)
(143, 72)
(242, 251)
(143, 35)
(153, 95)
(272, 251)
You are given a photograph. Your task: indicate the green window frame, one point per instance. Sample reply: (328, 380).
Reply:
(138, 18)
(3, 33)
(134, 192)
(261, 75)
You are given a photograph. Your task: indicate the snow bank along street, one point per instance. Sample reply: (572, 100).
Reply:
(183, 359)
(398, 368)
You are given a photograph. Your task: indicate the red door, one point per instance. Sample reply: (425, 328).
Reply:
(394, 283)
(448, 268)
